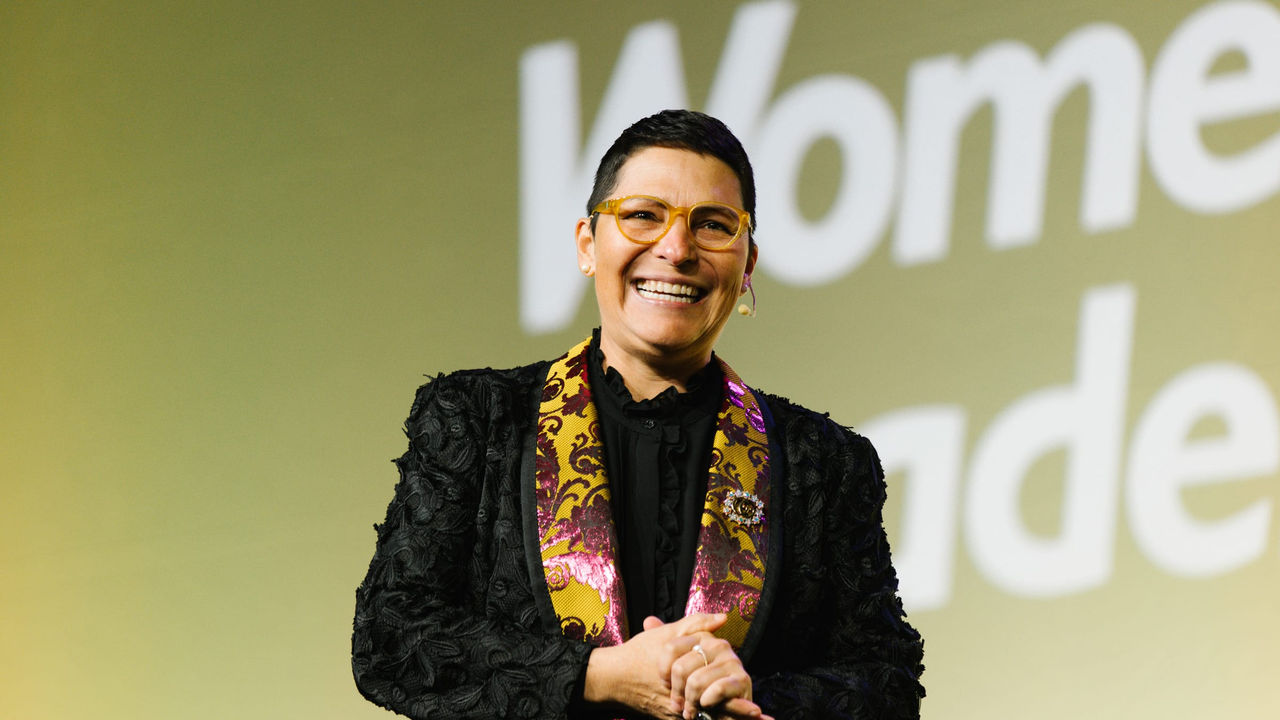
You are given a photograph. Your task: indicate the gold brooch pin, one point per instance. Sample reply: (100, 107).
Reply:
(743, 507)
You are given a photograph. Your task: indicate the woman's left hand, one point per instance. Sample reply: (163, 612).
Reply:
(705, 674)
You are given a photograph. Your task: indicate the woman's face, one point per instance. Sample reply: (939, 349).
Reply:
(665, 304)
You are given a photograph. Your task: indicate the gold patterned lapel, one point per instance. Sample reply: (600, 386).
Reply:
(575, 520)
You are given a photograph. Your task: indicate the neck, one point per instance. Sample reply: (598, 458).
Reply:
(647, 378)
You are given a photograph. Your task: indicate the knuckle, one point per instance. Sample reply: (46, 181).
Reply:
(719, 644)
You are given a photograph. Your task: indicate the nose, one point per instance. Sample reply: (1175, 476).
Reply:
(677, 246)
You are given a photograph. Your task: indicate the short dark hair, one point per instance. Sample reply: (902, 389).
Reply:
(681, 130)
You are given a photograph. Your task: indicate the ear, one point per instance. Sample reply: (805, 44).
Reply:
(752, 254)
(586, 244)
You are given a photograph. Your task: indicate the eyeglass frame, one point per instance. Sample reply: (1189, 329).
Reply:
(610, 207)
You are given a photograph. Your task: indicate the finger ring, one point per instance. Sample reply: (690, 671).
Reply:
(698, 649)
(703, 715)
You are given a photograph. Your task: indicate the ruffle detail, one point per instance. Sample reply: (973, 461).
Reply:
(697, 389)
(667, 542)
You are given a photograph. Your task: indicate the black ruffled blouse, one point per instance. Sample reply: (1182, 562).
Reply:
(657, 452)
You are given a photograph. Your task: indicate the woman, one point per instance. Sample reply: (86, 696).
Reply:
(557, 546)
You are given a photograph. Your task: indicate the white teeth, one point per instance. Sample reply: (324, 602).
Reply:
(668, 292)
(657, 290)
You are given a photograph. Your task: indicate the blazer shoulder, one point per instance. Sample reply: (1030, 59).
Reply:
(470, 379)
(823, 456)
(795, 420)
(480, 390)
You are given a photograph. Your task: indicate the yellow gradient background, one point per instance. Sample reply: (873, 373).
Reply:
(234, 237)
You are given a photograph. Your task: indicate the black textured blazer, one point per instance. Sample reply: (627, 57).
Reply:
(453, 619)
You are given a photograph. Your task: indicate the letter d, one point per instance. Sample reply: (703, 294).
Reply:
(1086, 419)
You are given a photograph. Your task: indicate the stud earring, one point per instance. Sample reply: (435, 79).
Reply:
(586, 270)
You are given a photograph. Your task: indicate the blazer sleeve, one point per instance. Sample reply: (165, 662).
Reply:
(839, 645)
(445, 626)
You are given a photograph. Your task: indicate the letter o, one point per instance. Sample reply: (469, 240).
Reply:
(861, 121)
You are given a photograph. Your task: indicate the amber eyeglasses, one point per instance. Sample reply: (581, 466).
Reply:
(645, 220)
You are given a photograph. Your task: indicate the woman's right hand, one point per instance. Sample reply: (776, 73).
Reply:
(636, 674)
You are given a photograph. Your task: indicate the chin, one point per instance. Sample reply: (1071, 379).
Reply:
(678, 340)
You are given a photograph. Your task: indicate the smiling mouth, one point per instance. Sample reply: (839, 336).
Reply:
(668, 292)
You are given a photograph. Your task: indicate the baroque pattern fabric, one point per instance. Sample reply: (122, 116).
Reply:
(575, 523)
(452, 622)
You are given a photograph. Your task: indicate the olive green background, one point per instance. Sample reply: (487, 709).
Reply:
(235, 236)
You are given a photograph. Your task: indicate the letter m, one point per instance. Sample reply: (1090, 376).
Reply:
(943, 94)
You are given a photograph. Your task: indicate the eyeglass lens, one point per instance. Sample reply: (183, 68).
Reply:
(645, 219)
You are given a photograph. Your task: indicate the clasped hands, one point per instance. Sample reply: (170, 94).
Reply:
(659, 672)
